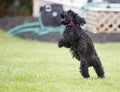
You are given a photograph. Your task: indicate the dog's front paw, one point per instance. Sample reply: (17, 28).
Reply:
(60, 43)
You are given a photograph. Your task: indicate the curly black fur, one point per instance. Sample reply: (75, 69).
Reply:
(80, 44)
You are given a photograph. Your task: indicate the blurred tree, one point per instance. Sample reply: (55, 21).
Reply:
(15, 7)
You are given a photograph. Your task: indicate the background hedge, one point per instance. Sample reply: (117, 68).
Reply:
(15, 7)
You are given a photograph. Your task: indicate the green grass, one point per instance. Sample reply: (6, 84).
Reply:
(31, 66)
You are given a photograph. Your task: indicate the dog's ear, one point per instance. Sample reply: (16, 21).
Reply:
(79, 20)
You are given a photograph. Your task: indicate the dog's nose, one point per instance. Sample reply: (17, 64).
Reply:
(62, 14)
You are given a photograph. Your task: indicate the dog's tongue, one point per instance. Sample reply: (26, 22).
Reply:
(62, 19)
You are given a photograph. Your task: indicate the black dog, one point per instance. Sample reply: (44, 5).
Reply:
(80, 44)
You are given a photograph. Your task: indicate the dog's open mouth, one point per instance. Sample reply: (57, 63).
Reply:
(63, 19)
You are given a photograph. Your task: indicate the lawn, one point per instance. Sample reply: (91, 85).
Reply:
(32, 66)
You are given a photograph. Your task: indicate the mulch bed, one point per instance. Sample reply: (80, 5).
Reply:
(10, 22)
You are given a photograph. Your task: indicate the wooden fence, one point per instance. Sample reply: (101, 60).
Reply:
(103, 20)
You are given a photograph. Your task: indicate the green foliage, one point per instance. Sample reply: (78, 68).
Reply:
(31, 66)
(15, 7)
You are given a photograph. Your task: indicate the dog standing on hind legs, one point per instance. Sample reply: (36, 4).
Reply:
(80, 44)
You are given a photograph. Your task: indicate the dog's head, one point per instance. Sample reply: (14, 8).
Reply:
(71, 18)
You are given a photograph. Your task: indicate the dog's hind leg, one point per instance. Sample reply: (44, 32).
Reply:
(98, 67)
(99, 70)
(84, 69)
